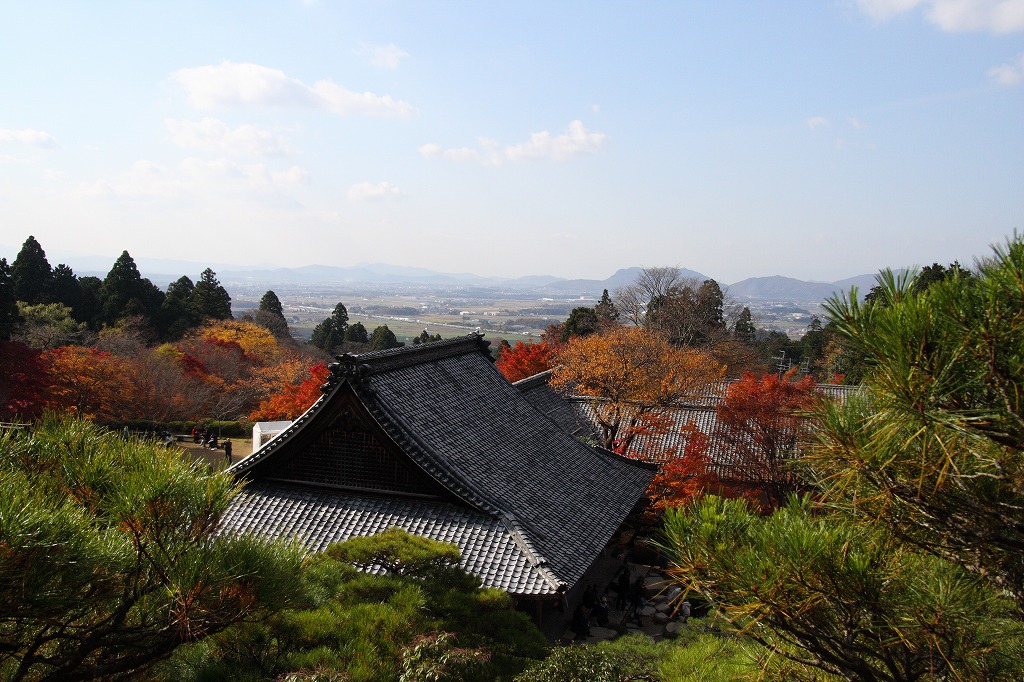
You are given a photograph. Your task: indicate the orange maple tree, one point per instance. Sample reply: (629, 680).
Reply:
(524, 360)
(629, 373)
(293, 399)
(91, 383)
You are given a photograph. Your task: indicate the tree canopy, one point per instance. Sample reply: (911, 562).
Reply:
(628, 372)
(112, 557)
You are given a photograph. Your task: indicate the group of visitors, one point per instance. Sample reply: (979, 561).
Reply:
(209, 439)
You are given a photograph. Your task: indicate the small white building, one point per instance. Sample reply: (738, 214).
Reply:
(264, 431)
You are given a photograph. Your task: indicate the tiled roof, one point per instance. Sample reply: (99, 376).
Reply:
(553, 404)
(451, 411)
(317, 517)
(660, 448)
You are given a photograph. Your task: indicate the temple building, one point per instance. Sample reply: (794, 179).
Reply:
(432, 439)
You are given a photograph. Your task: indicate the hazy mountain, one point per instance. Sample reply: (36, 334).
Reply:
(162, 271)
(779, 288)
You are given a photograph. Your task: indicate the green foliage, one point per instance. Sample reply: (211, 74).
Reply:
(111, 556)
(744, 329)
(397, 552)
(844, 597)
(271, 303)
(605, 310)
(691, 658)
(9, 315)
(360, 626)
(356, 333)
(125, 293)
(209, 299)
(435, 658)
(48, 325)
(334, 330)
(581, 322)
(31, 273)
(935, 448)
(383, 339)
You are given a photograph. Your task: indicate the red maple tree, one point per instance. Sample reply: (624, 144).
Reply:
(524, 360)
(293, 399)
(759, 427)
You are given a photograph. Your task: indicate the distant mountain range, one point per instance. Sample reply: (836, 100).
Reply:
(162, 271)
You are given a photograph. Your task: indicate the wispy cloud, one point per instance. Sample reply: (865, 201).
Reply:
(215, 136)
(247, 85)
(196, 177)
(368, 191)
(816, 122)
(384, 56)
(576, 141)
(994, 16)
(1010, 73)
(28, 137)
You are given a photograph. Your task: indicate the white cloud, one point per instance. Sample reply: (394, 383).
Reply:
(995, 16)
(231, 84)
(214, 136)
(1010, 73)
(576, 141)
(367, 191)
(856, 123)
(28, 137)
(194, 177)
(815, 122)
(384, 56)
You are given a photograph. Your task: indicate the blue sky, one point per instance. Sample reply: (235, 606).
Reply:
(817, 140)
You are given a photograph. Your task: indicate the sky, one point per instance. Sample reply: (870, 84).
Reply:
(815, 140)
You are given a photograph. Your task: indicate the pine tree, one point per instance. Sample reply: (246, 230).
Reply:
(32, 274)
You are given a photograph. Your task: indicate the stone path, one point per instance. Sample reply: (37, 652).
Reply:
(658, 618)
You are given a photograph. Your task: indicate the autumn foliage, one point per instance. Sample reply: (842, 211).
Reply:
(759, 424)
(228, 369)
(629, 373)
(524, 360)
(293, 399)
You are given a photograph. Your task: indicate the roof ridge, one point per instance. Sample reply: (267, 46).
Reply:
(534, 380)
(537, 560)
(373, 362)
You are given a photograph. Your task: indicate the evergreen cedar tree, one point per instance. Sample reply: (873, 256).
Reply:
(31, 273)
(383, 338)
(524, 360)
(356, 333)
(333, 330)
(112, 556)
(9, 316)
(630, 373)
(759, 425)
(270, 303)
(907, 563)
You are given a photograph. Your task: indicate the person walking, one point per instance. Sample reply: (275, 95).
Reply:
(227, 450)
